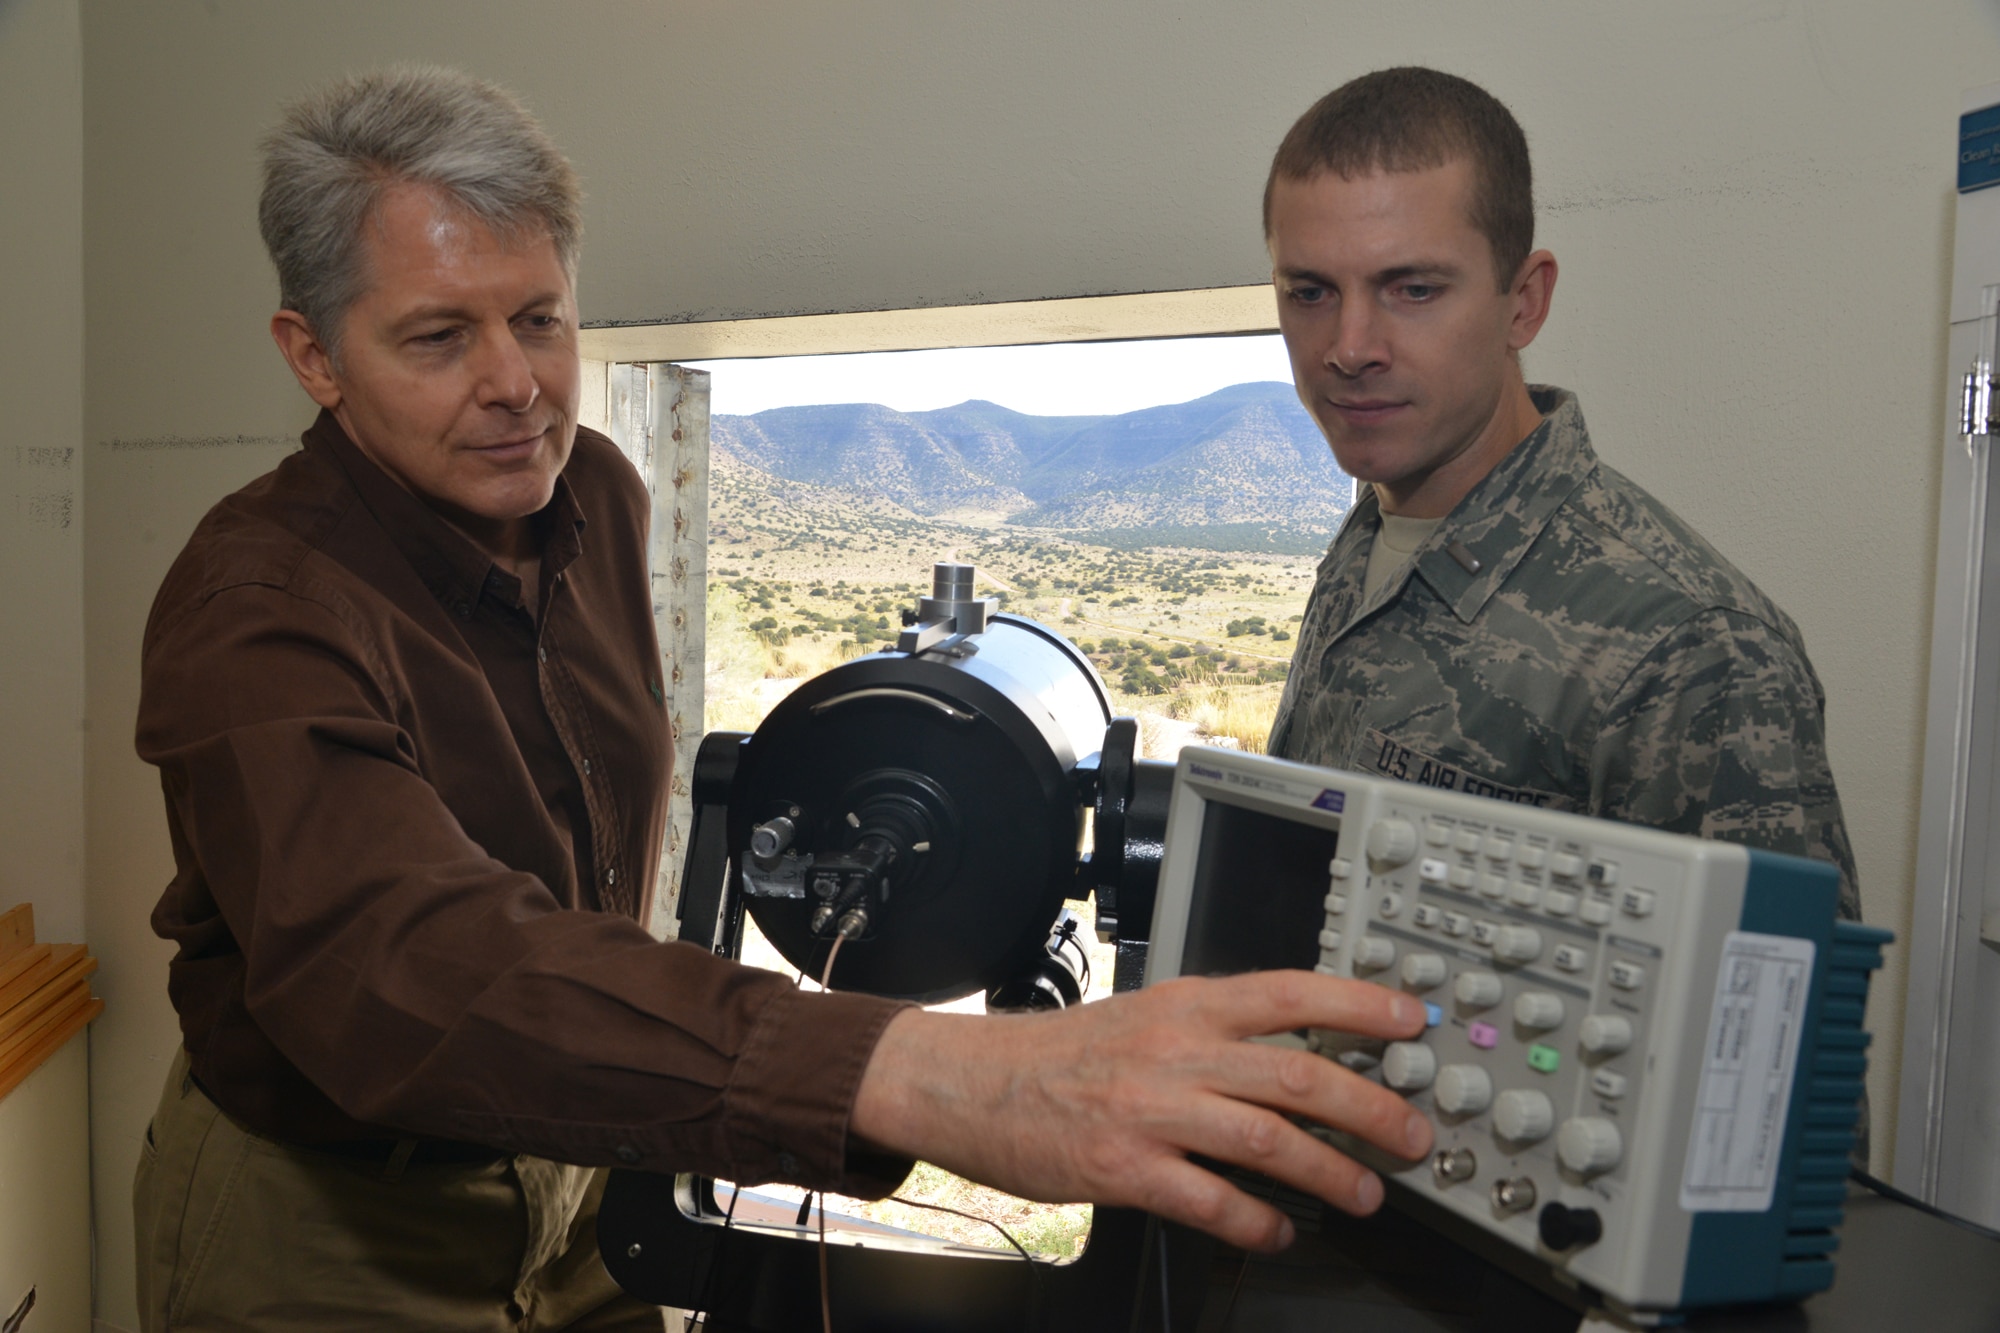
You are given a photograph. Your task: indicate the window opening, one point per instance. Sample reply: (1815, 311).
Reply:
(1164, 503)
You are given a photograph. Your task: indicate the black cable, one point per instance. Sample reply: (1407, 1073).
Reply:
(1166, 1310)
(714, 1263)
(971, 1217)
(825, 1298)
(1890, 1192)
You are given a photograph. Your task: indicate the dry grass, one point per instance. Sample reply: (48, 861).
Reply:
(1234, 715)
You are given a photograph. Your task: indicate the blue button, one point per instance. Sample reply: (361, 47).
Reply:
(1432, 1015)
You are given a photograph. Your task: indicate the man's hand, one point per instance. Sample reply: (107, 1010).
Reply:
(1104, 1102)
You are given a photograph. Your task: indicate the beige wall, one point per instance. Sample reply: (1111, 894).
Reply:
(1750, 200)
(41, 462)
(44, 1135)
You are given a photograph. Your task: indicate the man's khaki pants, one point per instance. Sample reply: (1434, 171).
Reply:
(239, 1233)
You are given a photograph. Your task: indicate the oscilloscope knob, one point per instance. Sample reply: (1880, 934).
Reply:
(1478, 990)
(1391, 842)
(1409, 1066)
(1589, 1144)
(1538, 1009)
(1523, 1115)
(1517, 944)
(1373, 951)
(1605, 1034)
(1463, 1089)
(1421, 971)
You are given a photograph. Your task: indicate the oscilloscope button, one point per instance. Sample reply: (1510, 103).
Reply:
(1425, 914)
(1493, 886)
(1595, 911)
(1432, 870)
(1437, 833)
(1627, 976)
(1468, 841)
(1456, 923)
(1499, 849)
(1335, 904)
(1461, 878)
(1557, 903)
(1563, 865)
(1564, 1228)
(1340, 867)
(1532, 857)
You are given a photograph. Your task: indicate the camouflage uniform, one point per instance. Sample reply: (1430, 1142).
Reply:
(1565, 640)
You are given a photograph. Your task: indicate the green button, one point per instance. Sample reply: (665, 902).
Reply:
(1544, 1058)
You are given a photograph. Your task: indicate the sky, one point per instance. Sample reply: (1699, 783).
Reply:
(1057, 379)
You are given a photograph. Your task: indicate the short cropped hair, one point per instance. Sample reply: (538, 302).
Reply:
(1412, 119)
(338, 150)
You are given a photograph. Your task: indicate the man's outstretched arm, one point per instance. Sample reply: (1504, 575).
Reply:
(1106, 1101)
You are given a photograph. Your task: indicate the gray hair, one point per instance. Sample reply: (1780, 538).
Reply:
(339, 149)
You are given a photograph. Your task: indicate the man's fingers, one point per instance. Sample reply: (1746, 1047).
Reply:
(1310, 1085)
(1267, 1143)
(1180, 1191)
(1257, 1004)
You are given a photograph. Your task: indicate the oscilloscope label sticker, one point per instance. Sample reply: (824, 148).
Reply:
(1747, 1070)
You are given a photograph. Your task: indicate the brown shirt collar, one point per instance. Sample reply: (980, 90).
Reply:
(456, 569)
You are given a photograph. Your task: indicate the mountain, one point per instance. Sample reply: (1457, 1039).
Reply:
(1245, 455)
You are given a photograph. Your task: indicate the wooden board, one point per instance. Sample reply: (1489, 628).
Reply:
(22, 961)
(17, 930)
(13, 1072)
(61, 1005)
(61, 958)
(27, 1011)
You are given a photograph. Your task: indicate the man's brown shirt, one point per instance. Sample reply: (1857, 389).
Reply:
(416, 829)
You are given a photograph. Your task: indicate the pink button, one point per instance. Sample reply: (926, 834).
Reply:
(1484, 1035)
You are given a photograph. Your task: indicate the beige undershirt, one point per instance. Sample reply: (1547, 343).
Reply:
(1395, 541)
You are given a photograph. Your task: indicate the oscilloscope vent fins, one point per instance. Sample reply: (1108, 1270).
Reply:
(1839, 1055)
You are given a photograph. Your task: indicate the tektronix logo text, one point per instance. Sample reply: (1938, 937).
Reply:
(1213, 774)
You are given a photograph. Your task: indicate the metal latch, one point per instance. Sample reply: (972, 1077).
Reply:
(1975, 412)
(1975, 401)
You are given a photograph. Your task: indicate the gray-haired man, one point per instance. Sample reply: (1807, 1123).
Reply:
(405, 700)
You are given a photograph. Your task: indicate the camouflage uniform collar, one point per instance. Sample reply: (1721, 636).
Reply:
(1484, 538)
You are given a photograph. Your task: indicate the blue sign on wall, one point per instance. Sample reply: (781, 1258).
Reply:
(1979, 149)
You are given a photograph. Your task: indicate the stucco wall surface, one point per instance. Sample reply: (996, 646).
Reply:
(41, 462)
(1750, 201)
(44, 1127)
